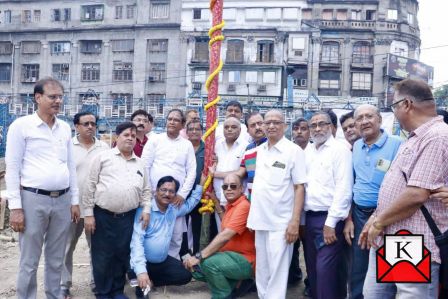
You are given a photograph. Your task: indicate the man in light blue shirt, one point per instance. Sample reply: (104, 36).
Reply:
(372, 156)
(149, 248)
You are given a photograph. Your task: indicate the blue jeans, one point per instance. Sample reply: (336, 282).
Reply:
(360, 257)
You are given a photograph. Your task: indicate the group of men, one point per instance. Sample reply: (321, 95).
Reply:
(138, 201)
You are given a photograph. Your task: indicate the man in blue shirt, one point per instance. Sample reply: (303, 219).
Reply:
(149, 248)
(372, 156)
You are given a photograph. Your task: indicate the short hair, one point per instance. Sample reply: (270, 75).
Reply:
(40, 84)
(298, 121)
(418, 90)
(240, 179)
(278, 112)
(124, 126)
(327, 115)
(142, 112)
(249, 116)
(333, 117)
(346, 116)
(168, 179)
(195, 122)
(78, 116)
(234, 104)
(190, 111)
(443, 113)
(182, 115)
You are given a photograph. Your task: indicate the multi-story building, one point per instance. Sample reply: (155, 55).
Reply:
(120, 54)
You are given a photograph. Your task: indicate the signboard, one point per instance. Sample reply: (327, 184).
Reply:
(402, 68)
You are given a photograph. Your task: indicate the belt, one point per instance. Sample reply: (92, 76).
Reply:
(365, 209)
(316, 213)
(56, 193)
(113, 214)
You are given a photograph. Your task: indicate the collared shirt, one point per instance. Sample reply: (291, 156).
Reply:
(229, 159)
(235, 218)
(200, 156)
(422, 161)
(370, 164)
(83, 159)
(152, 244)
(164, 156)
(330, 180)
(279, 168)
(219, 134)
(38, 156)
(116, 184)
(249, 163)
(138, 148)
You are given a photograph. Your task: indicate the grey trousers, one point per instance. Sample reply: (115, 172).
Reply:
(74, 233)
(47, 221)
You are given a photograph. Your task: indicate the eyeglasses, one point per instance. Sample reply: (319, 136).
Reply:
(319, 124)
(194, 129)
(143, 120)
(88, 123)
(392, 106)
(273, 122)
(169, 191)
(54, 97)
(172, 119)
(368, 117)
(226, 186)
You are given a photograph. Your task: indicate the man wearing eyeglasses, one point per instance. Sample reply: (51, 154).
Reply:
(150, 257)
(42, 190)
(85, 148)
(230, 256)
(276, 203)
(327, 204)
(144, 122)
(418, 169)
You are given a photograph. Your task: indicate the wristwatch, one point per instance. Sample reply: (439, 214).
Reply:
(198, 255)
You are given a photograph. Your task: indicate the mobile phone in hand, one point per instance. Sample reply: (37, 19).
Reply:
(319, 242)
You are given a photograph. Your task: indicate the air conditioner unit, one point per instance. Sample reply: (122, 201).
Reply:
(151, 79)
(261, 88)
(197, 85)
(231, 88)
(298, 53)
(303, 82)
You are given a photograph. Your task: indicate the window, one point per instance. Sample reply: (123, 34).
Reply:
(361, 81)
(410, 19)
(199, 76)
(160, 9)
(36, 16)
(290, 13)
(299, 75)
(269, 77)
(327, 14)
(56, 15)
(90, 72)
(392, 14)
(356, 15)
(30, 73)
(118, 12)
(341, 14)
(157, 72)
(201, 49)
(7, 17)
(197, 14)
(60, 47)
(234, 76)
(91, 46)
(330, 52)
(307, 14)
(298, 43)
(123, 99)
(130, 9)
(123, 45)
(254, 13)
(61, 71)
(5, 48)
(5, 72)
(157, 100)
(92, 12)
(67, 14)
(229, 14)
(158, 45)
(235, 51)
(371, 15)
(273, 13)
(31, 47)
(265, 51)
(122, 71)
(251, 77)
(329, 83)
(26, 16)
(361, 53)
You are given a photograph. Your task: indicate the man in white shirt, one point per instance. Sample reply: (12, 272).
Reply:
(171, 154)
(41, 189)
(85, 147)
(276, 203)
(233, 109)
(327, 204)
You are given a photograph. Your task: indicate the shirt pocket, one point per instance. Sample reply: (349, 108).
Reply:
(405, 163)
(277, 172)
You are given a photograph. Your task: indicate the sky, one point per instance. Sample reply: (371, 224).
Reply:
(432, 18)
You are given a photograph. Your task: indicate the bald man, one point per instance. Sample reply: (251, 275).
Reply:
(229, 152)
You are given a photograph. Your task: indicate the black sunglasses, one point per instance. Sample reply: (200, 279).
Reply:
(226, 186)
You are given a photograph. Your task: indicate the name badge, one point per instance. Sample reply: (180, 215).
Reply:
(383, 165)
(279, 165)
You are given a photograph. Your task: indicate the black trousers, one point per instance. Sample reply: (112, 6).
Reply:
(110, 250)
(169, 272)
(295, 273)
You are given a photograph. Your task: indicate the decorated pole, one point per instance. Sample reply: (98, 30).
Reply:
(216, 38)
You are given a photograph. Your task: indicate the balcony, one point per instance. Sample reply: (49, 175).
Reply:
(346, 24)
(334, 62)
(362, 61)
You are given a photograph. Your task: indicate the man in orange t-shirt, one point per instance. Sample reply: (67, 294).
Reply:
(230, 256)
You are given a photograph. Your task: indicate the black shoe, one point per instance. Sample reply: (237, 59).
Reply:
(307, 291)
(246, 286)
